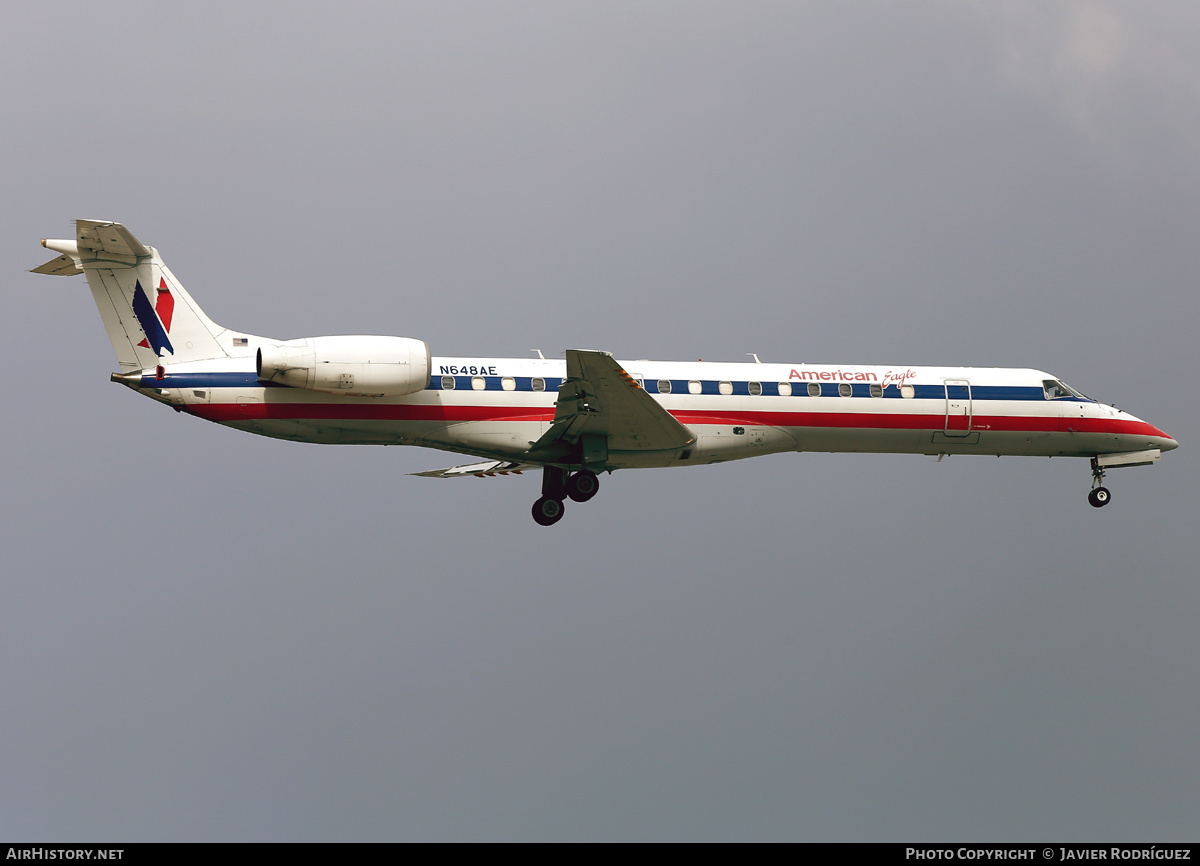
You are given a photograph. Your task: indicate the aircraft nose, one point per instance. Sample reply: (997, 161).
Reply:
(1154, 437)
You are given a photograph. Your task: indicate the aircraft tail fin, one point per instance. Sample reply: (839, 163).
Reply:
(148, 314)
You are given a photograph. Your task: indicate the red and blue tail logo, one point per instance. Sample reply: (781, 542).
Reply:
(156, 320)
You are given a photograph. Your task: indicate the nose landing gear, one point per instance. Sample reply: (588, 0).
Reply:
(557, 486)
(1099, 496)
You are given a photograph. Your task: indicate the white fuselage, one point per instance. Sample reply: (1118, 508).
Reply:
(498, 407)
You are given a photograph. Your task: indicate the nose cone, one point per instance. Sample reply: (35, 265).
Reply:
(1159, 439)
(1162, 441)
(1138, 435)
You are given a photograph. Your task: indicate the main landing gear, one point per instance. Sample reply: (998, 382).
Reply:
(547, 511)
(557, 486)
(1099, 496)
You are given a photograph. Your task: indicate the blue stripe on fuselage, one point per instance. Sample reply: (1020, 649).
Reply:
(709, 387)
(208, 380)
(493, 383)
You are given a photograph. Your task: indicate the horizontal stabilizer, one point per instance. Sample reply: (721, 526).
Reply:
(480, 470)
(63, 266)
(108, 237)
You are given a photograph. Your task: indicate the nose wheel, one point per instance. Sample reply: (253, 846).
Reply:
(1099, 497)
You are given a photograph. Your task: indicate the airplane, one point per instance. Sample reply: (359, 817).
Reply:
(574, 418)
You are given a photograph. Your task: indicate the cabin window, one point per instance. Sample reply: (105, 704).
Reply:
(876, 390)
(908, 392)
(478, 383)
(785, 389)
(845, 390)
(755, 388)
(508, 383)
(537, 383)
(814, 390)
(725, 388)
(694, 387)
(447, 383)
(664, 386)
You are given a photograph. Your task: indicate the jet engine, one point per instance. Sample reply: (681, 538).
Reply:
(354, 366)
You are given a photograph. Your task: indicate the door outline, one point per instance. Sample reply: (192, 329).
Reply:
(959, 407)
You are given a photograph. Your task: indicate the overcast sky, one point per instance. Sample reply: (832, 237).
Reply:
(206, 635)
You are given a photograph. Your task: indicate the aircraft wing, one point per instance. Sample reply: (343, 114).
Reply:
(480, 470)
(599, 398)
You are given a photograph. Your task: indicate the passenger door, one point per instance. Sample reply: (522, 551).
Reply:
(958, 407)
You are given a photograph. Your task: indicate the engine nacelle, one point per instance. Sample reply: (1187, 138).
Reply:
(354, 366)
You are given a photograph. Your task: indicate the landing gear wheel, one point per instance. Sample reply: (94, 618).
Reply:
(547, 511)
(1099, 497)
(583, 485)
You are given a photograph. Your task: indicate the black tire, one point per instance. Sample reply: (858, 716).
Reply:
(547, 511)
(583, 485)
(1099, 497)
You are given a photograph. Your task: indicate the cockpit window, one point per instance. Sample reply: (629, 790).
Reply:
(1056, 390)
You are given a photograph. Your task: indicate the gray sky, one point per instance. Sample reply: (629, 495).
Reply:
(206, 635)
